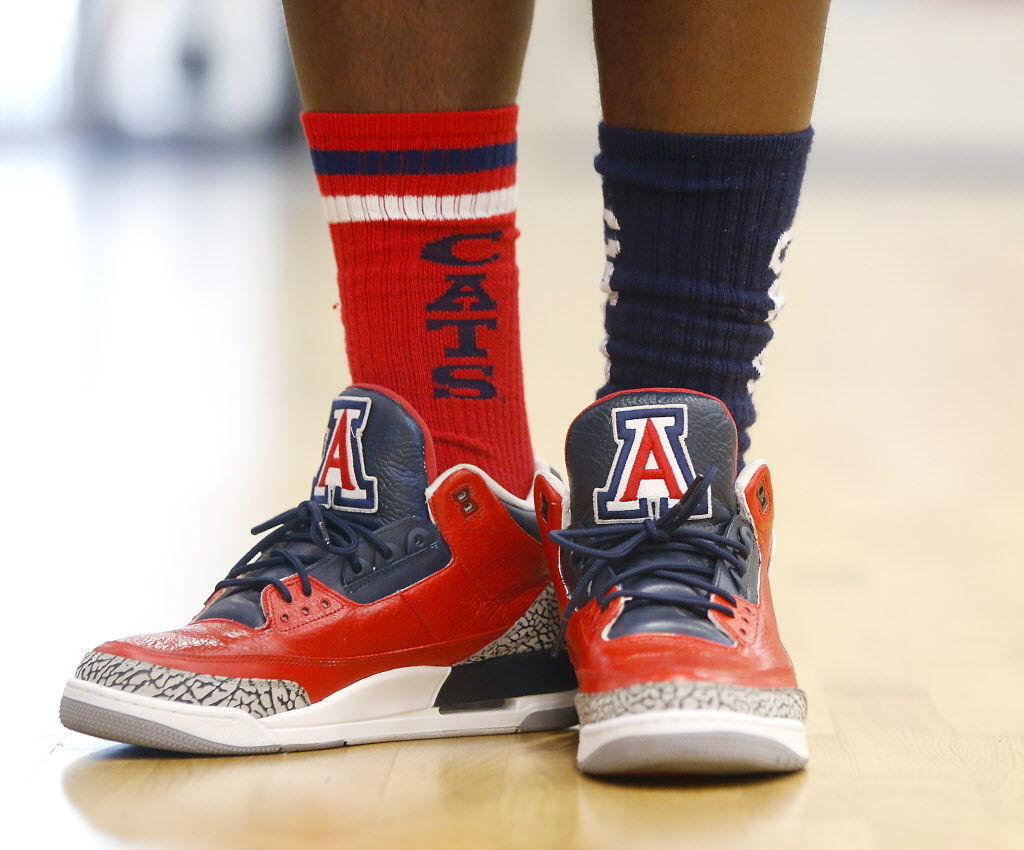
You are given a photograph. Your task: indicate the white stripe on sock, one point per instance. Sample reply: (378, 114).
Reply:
(612, 246)
(341, 209)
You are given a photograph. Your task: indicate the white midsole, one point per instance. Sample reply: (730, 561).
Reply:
(393, 705)
(673, 723)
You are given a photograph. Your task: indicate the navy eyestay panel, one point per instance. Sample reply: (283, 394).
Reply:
(411, 549)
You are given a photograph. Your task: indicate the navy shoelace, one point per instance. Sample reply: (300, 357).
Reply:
(601, 549)
(308, 522)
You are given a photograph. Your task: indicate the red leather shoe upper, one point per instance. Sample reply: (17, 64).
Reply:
(756, 656)
(325, 641)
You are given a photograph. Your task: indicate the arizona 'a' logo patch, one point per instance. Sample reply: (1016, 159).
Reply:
(341, 481)
(652, 468)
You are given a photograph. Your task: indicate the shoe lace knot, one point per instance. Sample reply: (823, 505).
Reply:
(330, 532)
(603, 555)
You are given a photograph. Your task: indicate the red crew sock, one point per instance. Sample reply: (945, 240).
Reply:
(421, 209)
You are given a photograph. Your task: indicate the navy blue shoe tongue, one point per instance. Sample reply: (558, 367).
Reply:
(633, 455)
(373, 464)
(373, 468)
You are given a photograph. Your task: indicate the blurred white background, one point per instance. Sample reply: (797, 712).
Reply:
(169, 345)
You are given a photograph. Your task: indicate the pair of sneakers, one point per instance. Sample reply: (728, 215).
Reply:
(400, 603)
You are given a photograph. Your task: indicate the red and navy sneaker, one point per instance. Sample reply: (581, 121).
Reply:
(661, 571)
(392, 604)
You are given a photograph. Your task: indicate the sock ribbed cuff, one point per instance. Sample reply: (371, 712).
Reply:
(652, 145)
(414, 166)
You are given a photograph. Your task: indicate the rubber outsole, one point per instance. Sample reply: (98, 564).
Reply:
(393, 706)
(126, 729)
(692, 742)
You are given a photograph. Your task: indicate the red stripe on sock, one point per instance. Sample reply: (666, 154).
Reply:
(409, 130)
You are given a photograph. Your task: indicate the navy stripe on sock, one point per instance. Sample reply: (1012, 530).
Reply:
(437, 161)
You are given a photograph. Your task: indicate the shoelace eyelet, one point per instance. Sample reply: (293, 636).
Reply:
(593, 549)
(307, 521)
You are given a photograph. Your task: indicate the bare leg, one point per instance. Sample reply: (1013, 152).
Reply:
(407, 55)
(709, 66)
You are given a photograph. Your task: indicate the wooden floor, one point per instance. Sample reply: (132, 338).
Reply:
(892, 415)
(891, 410)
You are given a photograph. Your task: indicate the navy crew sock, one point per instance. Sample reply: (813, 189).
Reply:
(696, 230)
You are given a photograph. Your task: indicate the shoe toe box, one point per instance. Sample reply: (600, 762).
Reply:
(188, 665)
